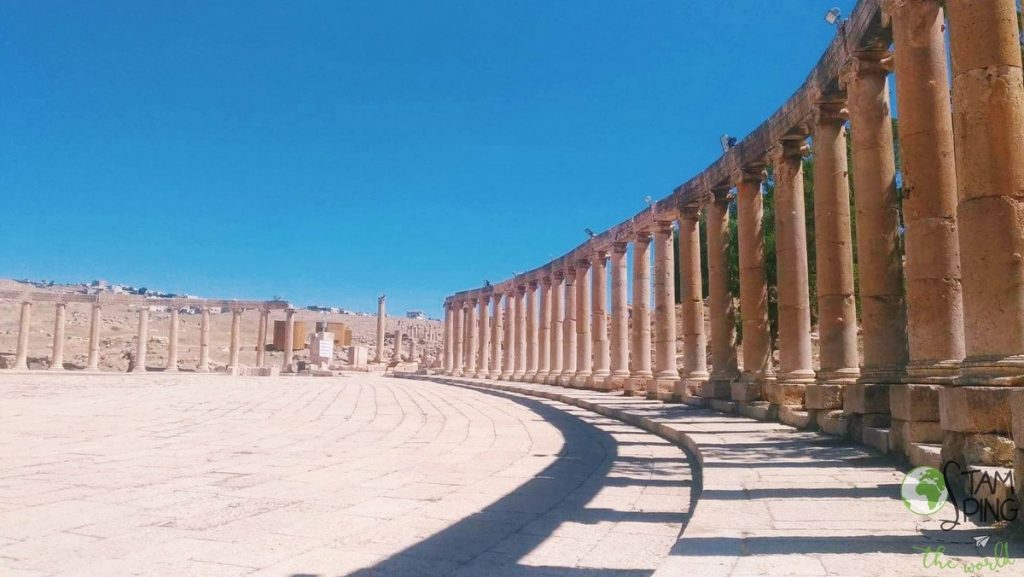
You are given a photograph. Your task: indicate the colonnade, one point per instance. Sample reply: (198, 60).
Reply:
(941, 295)
(142, 307)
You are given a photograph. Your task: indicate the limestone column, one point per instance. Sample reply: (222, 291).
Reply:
(620, 320)
(544, 332)
(496, 338)
(665, 371)
(57, 357)
(289, 340)
(448, 340)
(458, 337)
(720, 300)
(143, 338)
(796, 368)
(93, 363)
(236, 340)
(485, 339)
(413, 336)
(837, 312)
(24, 327)
(599, 320)
(396, 353)
(988, 127)
(520, 326)
(509, 352)
(531, 332)
(757, 351)
(641, 374)
(569, 329)
(382, 318)
(557, 336)
(172, 343)
(204, 343)
(584, 342)
(694, 371)
(261, 338)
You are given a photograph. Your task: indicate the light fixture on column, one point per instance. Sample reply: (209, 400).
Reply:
(727, 142)
(648, 200)
(834, 16)
(589, 232)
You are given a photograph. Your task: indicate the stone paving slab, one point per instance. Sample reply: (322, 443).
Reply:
(778, 501)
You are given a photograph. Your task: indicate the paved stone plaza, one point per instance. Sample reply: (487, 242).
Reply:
(203, 475)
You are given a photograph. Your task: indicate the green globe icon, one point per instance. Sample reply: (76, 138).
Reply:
(924, 490)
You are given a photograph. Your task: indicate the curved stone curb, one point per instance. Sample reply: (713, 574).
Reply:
(773, 500)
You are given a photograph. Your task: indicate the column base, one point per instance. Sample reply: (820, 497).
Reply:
(977, 424)
(659, 389)
(541, 377)
(687, 388)
(56, 368)
(786, 393)
(598, 381)
(616, 382)
(139, 370)
(207, 369)
(746, 390)
(481, 375)
(882, 375)
(1006, 371)
(505, 376)
(173, 369)
(91, 369)
(821, 397)
(579, 380)
(716, 388)
(636, 385)
(565, 380)
(516, 376)
(838, 376)
(552, 378)
(927, 372)
(528, 376)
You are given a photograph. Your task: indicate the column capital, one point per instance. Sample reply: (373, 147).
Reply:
(582, 263)
(747, 174)
(546, 280)
(788, 150)
(599, 255)
(689, 212)
(643, 236)
(663, 227)
(831, 111)
(620, 247)
(559, 275)
(877, 62)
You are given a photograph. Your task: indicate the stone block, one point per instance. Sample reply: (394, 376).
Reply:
(904, 433)
(866, 398)
(1017, 416)
(825, 397)
(271, 371)
(969, 409)
(746, 391)
(993, 485)
(877, 438)
(760, 410)
(723, 406)
(796, 417)
(785, 393)
(695, 401)
(833, 423)
(914, 402)
(1018, 477)
(716, 389)
(988, 450)
(925, 455)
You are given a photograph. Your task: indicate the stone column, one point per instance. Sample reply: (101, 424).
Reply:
(484, 329)
(396, 352)
(382, 319)
(837, 312)
(204, 343)
(172, 343)
(641, 374)
(584, 338)
(289, 340)
(599, 320)
(497, 335)
(879, 262)
(459, 336)
(24, 328)
(720, 300)
(666, 372)
(93, 363)
(556, 336)
(796, 368)
(448, 340)
(413, 336)
(757, 346)
(569, 336)
(520, 326)
(142, 342)
(694, 372)
(261, 338)
(544, 332)
(236, 341)
(531, 332)
(57, 356)
(508, 364)
(988, 124)
(620, 320)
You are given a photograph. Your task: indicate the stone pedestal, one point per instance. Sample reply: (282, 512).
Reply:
(357, 356)
(321, 350)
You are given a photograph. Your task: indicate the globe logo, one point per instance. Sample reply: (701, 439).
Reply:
(924, 490)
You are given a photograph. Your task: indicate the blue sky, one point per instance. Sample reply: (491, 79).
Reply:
(325, 151)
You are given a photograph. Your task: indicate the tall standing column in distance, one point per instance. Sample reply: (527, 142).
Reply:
(24, 328)
(508, 366)
(261, 338)
(57, 357)
(796, 368)
(142, 341)
(236, 341)
(449, 356)
(497, 334)
(599, 320)
(837, 312)
(289, 340)
(459, 335)
(556, 337)
(93, 364)
(694, 372)
(722, 308)
(757, 351)
(544, 332)
(584, 342)
(641, 374)
(382, 318)
(665, 371)
(520, 326)
(531, 331)
(472, 327)
(396, 352)
(620, 320)
(204, 343)
(484, 366)
(569, 335)
(172, 342)
(988, 127)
